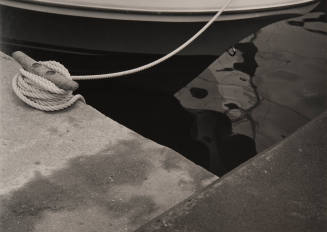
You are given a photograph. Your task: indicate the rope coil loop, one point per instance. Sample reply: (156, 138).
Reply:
(41, 93)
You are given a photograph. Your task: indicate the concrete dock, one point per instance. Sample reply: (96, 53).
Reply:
(77, 170)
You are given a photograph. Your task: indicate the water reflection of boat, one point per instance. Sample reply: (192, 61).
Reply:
(105, 36)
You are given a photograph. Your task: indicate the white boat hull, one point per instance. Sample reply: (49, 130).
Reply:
(129, 43)
(134, 36)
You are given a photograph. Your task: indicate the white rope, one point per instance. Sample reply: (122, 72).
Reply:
(160, 60)
(41, 93)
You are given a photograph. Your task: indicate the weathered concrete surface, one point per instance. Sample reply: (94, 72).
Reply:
(77, 170)
(283, 189)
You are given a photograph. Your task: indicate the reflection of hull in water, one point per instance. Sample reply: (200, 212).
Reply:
(98, 44)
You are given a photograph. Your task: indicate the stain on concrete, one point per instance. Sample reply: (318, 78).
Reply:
(75, 122)
(171, 163)
(200, 179)
(85, 181)
(24, 207)
(60, 131)
(53, 130)
(196, 176)
(138, 208)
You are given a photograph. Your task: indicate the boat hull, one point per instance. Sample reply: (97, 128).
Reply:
(94, 46)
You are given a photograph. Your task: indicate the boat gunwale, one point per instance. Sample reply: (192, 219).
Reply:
(11, 3)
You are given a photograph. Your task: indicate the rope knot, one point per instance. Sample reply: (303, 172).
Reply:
(40, 92)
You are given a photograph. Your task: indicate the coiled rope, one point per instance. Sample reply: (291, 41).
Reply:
(43, 94)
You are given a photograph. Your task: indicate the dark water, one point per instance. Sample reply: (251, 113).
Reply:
(203, 136)
(161, 117)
